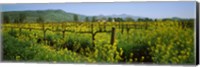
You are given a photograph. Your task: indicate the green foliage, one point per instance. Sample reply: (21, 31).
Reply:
(76, 18)
(94, 19)
(87, 19)
(40, 19)
(110, 19)
(6, 19)
(118, 19)
(174, 48)
(129, 19)
(13, 48)
(144, 19)
(163, 42)
(22, 17)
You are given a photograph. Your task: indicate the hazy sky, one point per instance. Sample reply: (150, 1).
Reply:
(144, 9)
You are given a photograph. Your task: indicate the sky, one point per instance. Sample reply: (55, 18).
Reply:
(144, 9)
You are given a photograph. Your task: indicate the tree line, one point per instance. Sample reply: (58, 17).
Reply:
(22, 17)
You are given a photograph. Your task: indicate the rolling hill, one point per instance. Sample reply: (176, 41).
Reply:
(47, 15)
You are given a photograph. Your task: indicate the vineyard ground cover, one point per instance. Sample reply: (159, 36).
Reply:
(133, 42)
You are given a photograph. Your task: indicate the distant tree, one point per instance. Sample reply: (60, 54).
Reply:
(186, 23)
(190, 23)
(166, 19)
(16, 20)
(129, 19)
(109, 19)
(87, 19)
(118, 19)
(6, 19)
(121, 20)
(76, 18)
(144, 20)
(147, 20)
(155, 19)
(140, 19)
(94, 19)
(40, 20)
(22, 17)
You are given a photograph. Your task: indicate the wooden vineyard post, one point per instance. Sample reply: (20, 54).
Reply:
(63, 34)
(93, 35)
(183, 24)
(44, 31)
(127, 28)
(122, 29)
(112, 36)
(44, 34)
(93, 38)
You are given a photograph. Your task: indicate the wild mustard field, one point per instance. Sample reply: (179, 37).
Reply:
(166, 42)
